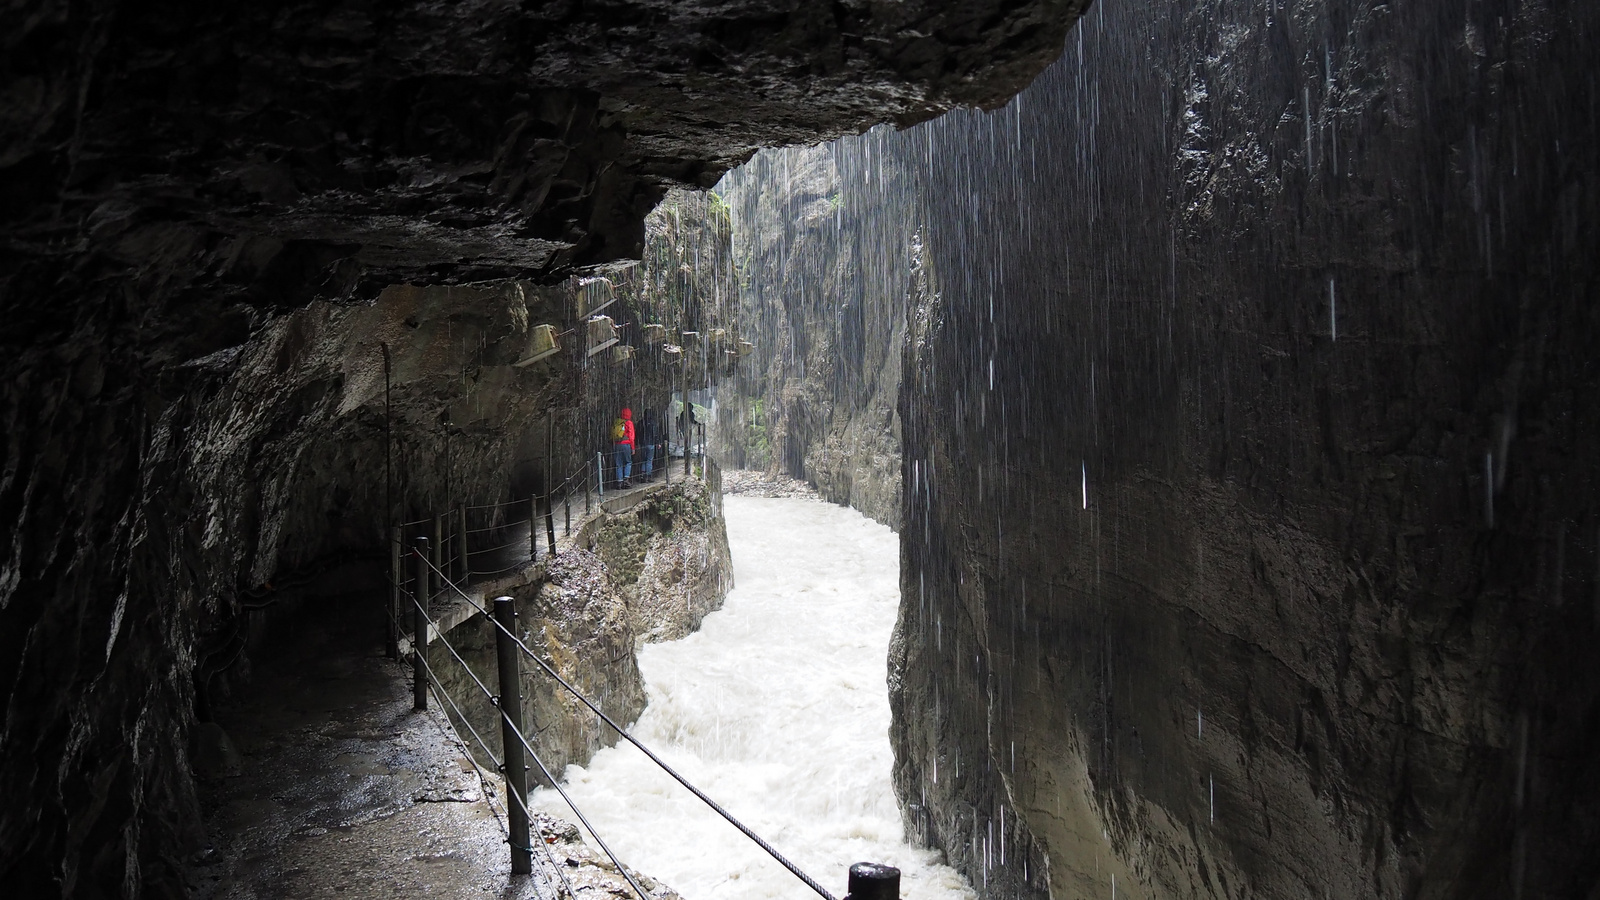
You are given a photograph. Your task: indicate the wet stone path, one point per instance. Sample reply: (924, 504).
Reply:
(328, 784)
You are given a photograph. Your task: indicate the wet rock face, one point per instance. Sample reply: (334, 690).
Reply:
(578, 623)
(303, 148)
(669, 557)
(176, 179)
(650, 573)
(822, 237)
(1251, 532)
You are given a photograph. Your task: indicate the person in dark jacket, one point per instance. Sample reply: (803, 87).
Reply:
(649, 437)
(622, 447)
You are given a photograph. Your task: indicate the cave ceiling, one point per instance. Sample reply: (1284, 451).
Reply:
(282, 152)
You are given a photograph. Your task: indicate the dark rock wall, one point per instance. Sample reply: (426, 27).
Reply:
(260, 464)
(175, 178)
(822, 239)
(1251, 517)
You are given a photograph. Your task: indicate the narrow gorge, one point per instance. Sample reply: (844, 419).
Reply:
(1224, 371)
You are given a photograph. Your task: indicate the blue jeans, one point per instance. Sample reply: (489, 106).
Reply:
(649, 464)
(624, 458)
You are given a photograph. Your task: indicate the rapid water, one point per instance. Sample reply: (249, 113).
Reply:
(778, 709)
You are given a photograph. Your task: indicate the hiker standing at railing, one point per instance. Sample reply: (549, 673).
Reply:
(649, 437)
(622, 446)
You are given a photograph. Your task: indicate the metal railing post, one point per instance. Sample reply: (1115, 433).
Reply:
(516, 769)
(550, 520)
(461, 552)
(438, 550)
(588, 502)
(419, 630)
(566, 503)
(533, 527)
(871, 881)
(600, 473)
(392, 645)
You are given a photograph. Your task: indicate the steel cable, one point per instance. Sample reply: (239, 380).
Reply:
(438, 688)
(415, 644)
(508, 568)
(497, 547)
(416, 649)
(576, 811)
(771, 851)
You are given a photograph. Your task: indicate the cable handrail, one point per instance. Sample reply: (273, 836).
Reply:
(771, 851)
(423, 640)
(522, 739)
(485, 572)
(416, 648)
(587, 477)
(564, 484)
(438, 688)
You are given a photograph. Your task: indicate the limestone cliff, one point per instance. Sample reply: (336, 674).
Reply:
(821, 235)
(1251, 517)
(669, 556)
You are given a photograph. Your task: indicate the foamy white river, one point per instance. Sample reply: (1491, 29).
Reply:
(778, 709)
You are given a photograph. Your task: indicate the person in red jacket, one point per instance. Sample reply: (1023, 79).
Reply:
(622, 446)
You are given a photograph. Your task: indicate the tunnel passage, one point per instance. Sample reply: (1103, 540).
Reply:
(1248, 530)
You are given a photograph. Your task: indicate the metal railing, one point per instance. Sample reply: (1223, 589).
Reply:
(866, 881)
(484, 541)
(475, 542)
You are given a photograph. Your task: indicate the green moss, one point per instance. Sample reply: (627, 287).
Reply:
(624, 540)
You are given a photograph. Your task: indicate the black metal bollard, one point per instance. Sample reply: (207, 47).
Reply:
(516, 769)
(872, 881)
(419, 630)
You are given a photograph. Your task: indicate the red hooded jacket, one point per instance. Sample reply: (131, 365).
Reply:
(627, 428)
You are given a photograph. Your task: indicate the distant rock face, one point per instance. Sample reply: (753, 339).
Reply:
(173, 180)
(1251, 511)
(822, 237)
